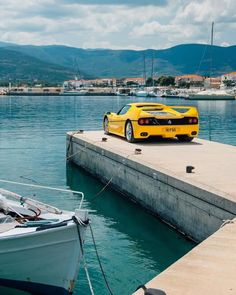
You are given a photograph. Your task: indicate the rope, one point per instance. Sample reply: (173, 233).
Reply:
(108, 182)
(27, 178)
(70, 141)
(77, 222)
(227, 221)
(103, 189)
(88, 277)
(78, 152)
(83, 149)
(70, 146)
(99, 261)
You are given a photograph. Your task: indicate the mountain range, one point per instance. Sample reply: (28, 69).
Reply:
(56, 63)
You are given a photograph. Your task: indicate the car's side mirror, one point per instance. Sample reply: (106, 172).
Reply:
(108, 113)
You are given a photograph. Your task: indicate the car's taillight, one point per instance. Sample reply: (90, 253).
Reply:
(146, 121)
(193, 120)
(141, 121)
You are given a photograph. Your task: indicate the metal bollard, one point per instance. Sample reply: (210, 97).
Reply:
(137, 151)
(189, 169)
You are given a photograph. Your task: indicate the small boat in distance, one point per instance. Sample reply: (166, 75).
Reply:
(122, 92)
(212, 94)
(40, 246)
(77, 92)
(141, 93)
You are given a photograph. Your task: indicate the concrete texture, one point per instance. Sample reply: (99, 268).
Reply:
(209, 268)
(196, 203)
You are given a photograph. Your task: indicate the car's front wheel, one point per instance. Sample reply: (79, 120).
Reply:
(184, 138)
(106, 125)
(129, 133)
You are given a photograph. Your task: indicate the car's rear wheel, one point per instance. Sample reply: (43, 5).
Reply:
(129, 133)
(106, 125)
(184, 138)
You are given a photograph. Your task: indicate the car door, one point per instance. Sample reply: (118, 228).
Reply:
(119, 119)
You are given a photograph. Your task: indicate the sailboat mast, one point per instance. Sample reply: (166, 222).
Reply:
(212, 40)
(144, 68)
(212, 32)
(152, 69)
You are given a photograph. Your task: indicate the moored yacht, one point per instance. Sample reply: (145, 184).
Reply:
(212, 94)
(77, 92)
(40, 246)
(141, 93)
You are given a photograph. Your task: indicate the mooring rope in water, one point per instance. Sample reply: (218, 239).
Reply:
(76, 153)
(70, 141)
(99, 261)
(83, 149)
(108, 182)
(77, 222)
(88, 277)
(69, 147)
(30, 179)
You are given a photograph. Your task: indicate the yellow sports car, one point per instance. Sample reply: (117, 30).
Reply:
(136, 121)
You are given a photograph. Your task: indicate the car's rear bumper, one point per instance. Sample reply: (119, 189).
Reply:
(166, 131)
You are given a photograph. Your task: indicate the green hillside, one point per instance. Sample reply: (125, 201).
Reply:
(57, 63)
(17, 67)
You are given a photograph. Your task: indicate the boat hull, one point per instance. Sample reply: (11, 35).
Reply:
(141, 94)
(74, 93)
(29, 288)
(44, 262)
(210, 97)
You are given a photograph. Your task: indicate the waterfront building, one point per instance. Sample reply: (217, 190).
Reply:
(192, 80)
(137, 80)
(212, 82)
(229, 76)
(228, 80)
(73, 84)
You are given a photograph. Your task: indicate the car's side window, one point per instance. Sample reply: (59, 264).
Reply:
(124, 110)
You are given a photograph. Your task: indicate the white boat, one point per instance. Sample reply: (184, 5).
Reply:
(141, 93)
(212, 94)
(120, 93)
(3, 91)
(40, 246)
(79, 92)
(170, 93)
(152, 94)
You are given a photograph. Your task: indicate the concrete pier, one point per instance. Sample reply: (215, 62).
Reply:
(209, 268)
(194, 203)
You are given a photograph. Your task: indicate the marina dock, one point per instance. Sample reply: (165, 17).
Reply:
(201, 204)
(196, 203)
(208, 269)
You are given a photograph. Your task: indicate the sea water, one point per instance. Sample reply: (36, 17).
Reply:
(133, 246)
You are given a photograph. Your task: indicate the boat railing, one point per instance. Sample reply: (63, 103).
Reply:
(30, 201)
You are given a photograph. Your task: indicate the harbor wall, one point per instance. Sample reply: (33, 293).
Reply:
(192, 209)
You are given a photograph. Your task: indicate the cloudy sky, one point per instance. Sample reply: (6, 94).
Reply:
(117, 24)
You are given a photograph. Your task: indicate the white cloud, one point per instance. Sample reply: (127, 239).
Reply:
(124, 24)
(224, 44)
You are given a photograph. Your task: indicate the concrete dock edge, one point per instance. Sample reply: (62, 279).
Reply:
(195, 208)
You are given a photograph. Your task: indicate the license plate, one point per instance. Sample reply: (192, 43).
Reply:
(170, 129)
